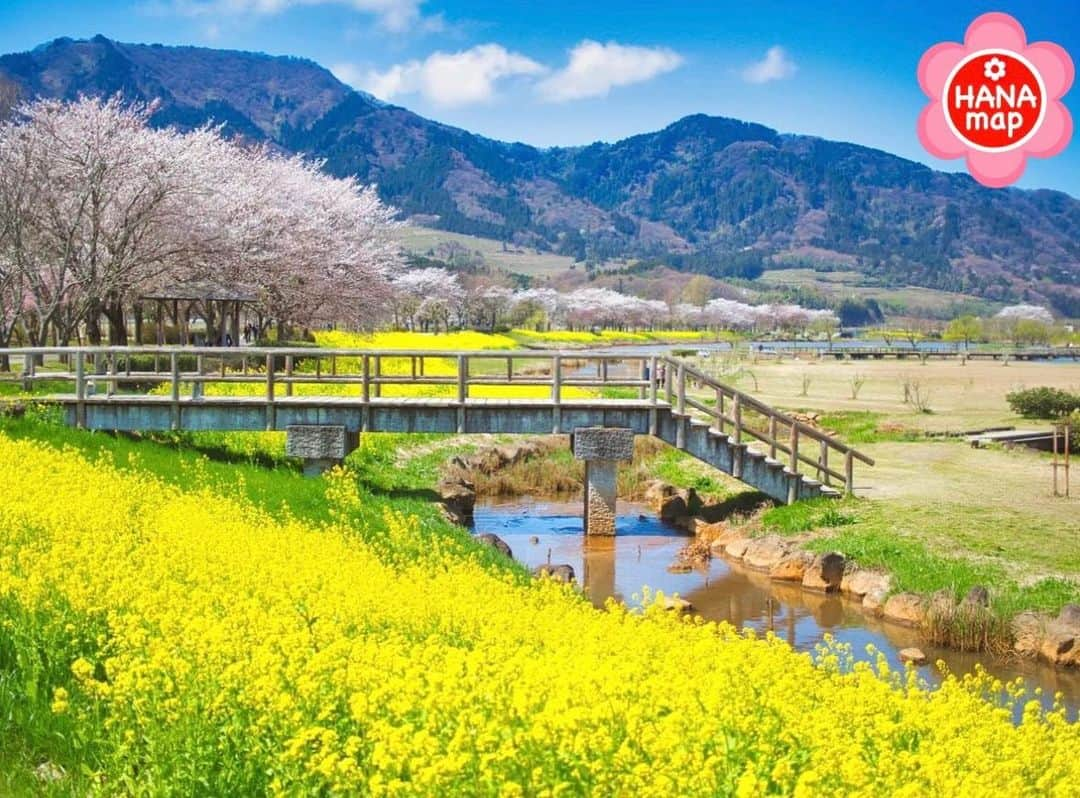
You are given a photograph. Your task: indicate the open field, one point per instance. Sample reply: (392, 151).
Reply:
(959, 397)
(421, 240)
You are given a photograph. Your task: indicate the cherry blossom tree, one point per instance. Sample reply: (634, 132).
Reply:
(96, 207)
(1024, 323)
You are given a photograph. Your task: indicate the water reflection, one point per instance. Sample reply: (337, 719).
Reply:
(639, 556)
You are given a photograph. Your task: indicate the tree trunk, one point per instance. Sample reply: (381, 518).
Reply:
(93, 323)
(114, 312)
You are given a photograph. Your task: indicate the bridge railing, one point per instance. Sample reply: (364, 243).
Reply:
(102, 373)
(743, 417)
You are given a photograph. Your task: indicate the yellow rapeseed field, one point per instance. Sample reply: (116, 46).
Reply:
(194, 644)
(402, 367)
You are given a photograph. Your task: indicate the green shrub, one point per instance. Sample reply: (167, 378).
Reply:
(1043, 402)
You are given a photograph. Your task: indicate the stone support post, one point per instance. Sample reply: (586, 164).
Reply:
(601, 448)
(321, 447)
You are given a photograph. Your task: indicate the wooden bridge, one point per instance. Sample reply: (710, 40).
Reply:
(490, 391)
(900, 352)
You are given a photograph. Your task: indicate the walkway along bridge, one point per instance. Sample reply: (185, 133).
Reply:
(357, 391)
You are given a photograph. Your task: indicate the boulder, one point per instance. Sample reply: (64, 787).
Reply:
(915, 656)
(873, 603)
(791, 567)
(458, 500)
(560, 573)
(672, 508)
(735, 549)
(1061, 645)
(766, 552)
(656, 491)
(676, 604)
(978, 596)
(1027, 628)
(907, 609)
(512, 454)
(684, 522)
(496, 543)
(708, 530)
(49, 772)
(1069, 617)
(679, 568)
(825, 573)
(1056, 647)
(858, 582)
(694, 504)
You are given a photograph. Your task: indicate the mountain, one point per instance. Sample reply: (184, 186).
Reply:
(705, 194)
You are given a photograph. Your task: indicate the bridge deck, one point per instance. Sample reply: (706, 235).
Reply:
(656, 395)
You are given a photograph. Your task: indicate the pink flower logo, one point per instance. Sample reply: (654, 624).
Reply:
(995, 99)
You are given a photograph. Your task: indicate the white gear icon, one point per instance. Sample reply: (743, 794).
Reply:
(994, 69)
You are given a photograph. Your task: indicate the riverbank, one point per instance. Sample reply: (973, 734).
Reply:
(850, 547)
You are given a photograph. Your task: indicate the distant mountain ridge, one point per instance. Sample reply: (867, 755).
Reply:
(706, 194)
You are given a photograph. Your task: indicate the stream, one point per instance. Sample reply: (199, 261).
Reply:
(641, 552)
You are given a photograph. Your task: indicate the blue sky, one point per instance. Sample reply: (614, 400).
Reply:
(560, 73)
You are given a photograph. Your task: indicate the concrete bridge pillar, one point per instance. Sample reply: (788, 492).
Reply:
(321, 447)
(601, 448)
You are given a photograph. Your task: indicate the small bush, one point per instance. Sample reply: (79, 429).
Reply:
(1043, 402)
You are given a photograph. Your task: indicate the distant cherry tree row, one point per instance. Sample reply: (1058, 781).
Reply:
(436, 299)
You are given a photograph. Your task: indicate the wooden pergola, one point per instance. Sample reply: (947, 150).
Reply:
(218, 305)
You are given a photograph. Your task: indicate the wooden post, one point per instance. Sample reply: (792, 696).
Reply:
(288, 375)
(270, 390)
(80, 389)
(378, 376)
(794, 480)
(737, 411)
(720, 409)
(738, 452)
(28, 373)
(556, 394)
(682, 389)
(849, 473)
(823, 462)
(772, 437)
(196, 385)
(1054, 467)
(509, 369)
(111, 360)
(462, 391)
(174, 387)
(365, 393)
(643, 370)
(654, 382)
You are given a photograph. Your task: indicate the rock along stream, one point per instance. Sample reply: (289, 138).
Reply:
(539, 532)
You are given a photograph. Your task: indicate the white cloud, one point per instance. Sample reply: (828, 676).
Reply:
(595, 68)
(776, 65)
(393, 15)
(445, 79)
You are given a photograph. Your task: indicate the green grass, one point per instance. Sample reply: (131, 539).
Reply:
(863, 426)
(872, 534)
